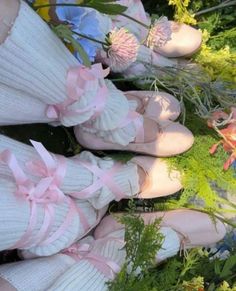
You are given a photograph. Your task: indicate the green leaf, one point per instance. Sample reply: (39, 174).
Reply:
(228, 266)
(64, 32)
(81, 52)
(103, 7)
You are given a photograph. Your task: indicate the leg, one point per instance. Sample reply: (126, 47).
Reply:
(8, 13)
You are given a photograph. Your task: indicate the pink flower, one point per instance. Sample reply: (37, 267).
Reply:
(122, 50)
(159, 33)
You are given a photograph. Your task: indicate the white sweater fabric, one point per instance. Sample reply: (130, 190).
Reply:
(37, 274)
(84, 276)
(74, 270)
(15, 218)
(36, 62)
(77, 177)
(17, 107)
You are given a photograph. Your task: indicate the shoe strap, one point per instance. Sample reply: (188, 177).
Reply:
(79, 80)
(104, 178)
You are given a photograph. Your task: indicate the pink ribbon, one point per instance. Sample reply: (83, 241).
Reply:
(105, 178)
(55, 169)
(49, 166)
(46, 193)
(85, 252)
(79, 79)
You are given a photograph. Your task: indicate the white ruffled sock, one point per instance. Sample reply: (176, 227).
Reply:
(78, 177)
(35, 61)
(36, 275)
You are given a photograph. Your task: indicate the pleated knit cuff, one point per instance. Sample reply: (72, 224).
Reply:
(38, 274)
(81, 276)
(170, 246)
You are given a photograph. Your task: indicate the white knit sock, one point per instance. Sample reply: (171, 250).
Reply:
(37, 274)
(84, 276)
(17, 107)
(77, 176)
(15, 214)
(34, 60)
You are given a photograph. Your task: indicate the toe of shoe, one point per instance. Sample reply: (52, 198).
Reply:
(163, 106)
(162, 180)
(174, 139)
(185, 40)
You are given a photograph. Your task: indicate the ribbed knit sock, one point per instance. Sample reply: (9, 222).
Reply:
(17, 107)
(35, 61)
(37, 274)
(84, 276)
(15, 213)
(78, 177)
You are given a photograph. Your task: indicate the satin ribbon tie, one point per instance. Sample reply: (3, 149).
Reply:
(85, 252)
(81, 79)
(46, 193)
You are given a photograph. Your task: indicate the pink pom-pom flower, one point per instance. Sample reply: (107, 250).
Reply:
(122, 49)
(159, 33)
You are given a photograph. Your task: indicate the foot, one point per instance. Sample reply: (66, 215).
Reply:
(156, 179)
(169, 139)
(155, 105)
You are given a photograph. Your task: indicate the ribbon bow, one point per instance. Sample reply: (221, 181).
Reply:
(80, 79)
(45, 192)
(85, 252)
(53, 169)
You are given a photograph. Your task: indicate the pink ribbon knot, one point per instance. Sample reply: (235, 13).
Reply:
(79, 80)
(85, 252)
(49, 167)
(45, 192)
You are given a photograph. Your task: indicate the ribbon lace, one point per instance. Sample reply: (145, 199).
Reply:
(80, 79)
(46, 193)
(85, 252)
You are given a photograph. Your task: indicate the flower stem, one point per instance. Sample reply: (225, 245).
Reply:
(90, 38)
(135, 20)
(59, 4)
(220, 6)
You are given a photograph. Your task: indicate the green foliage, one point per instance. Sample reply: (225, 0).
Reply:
(142, 244)
(105, 6)
(196, 270)
(203, 176)
(66, 34)
(182, 14)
